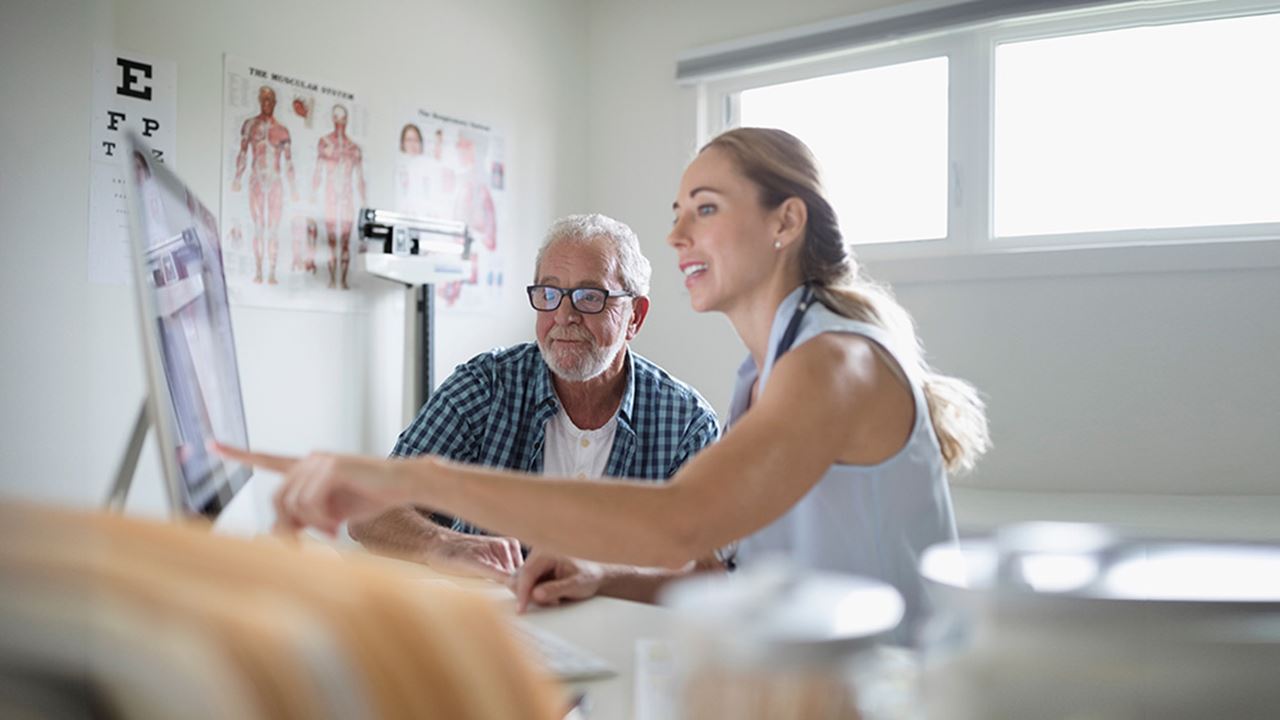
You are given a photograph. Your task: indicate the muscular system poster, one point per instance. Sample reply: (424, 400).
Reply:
(293, 179)
(454, 169)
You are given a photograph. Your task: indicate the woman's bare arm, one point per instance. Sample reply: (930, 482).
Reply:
(825, 401)
(820, 406)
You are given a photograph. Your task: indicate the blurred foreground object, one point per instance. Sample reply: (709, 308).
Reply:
(108, 616)
(1047, 621)
(778, 642)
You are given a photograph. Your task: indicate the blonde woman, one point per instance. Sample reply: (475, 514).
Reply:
(841, 436)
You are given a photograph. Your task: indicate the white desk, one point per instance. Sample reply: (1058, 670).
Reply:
(606, 626)
(609, 628)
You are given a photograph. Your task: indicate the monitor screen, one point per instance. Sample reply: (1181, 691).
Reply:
(193, 379)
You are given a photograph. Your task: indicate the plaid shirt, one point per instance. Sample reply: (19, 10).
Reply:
(493, 411)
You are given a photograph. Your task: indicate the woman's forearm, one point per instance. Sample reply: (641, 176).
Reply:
(743, 482)
(607, 521)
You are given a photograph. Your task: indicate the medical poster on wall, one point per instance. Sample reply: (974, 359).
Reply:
(293, 180)
(455, 169)
(131, 92)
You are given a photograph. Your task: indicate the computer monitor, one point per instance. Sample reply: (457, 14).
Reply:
(193, 382)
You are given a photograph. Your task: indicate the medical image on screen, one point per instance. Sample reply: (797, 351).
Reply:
(183, 271)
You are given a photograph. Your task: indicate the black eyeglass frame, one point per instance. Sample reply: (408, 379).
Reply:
(569, 293)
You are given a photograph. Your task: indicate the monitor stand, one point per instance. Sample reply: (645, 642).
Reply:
(129, 463)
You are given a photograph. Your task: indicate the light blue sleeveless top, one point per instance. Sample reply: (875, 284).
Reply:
(869, 520)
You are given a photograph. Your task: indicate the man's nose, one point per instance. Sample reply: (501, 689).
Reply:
(567, 313)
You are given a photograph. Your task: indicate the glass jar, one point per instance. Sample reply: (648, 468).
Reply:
(1050, 621)
(777, 642)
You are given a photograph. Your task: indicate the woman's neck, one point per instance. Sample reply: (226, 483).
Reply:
(753, 315)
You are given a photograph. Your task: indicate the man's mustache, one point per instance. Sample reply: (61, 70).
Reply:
(572, 335)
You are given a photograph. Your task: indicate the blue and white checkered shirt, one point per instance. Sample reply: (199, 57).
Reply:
(494, 408)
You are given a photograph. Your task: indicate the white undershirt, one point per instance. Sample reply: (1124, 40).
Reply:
(569, 451)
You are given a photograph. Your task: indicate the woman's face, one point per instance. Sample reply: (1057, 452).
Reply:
(411, 141)
(721, 233)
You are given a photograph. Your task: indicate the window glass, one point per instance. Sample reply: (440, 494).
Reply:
(1147, 127)
(880, 136)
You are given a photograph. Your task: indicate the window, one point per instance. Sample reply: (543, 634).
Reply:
(881, 135)
(1141, 125)
(1146, 127)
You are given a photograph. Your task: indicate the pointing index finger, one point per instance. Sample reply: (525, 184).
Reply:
(275, 463)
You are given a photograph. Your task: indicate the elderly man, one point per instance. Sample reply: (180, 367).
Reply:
(579, 402)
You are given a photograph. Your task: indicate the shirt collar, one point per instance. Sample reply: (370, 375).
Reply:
(748, 376)
(544, 394)
(781, 318)
(629, 392)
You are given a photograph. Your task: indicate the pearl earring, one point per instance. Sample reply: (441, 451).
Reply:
(777, 244)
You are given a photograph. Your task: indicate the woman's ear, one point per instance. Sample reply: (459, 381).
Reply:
(792, 215)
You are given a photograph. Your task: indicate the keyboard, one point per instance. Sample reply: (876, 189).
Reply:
(559, 656)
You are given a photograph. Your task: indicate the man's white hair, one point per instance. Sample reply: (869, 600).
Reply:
(621, 241)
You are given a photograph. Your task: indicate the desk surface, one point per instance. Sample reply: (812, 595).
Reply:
(609, 628)
(606, 626)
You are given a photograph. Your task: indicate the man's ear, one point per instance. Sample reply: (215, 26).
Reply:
(639, 311)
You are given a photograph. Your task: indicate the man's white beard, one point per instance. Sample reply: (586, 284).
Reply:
(590, 364)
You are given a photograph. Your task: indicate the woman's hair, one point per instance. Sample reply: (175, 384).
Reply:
(782, 167)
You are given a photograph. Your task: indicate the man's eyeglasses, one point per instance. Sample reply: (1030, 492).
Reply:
(586, 300)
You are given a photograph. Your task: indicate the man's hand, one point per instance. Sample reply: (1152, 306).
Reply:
(494, 558)
(405, 533)
(548, 579)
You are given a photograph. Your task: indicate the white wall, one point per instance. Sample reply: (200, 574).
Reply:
(643, 133)
(72, 370)
(1152, 386)
(1159, 387)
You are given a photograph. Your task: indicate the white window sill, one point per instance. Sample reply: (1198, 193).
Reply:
(1241, 517)
(899, 268)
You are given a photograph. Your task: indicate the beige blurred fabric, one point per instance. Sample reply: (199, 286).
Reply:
(159, 620)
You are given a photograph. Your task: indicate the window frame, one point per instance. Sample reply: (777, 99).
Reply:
(970, 249)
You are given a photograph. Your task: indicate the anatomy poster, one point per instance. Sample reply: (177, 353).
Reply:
(455, 169)
(130, 92)
(293, 181)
